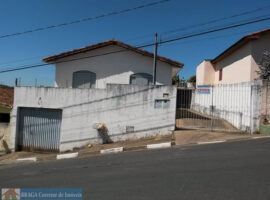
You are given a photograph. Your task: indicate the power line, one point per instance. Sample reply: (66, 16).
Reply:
(215, 30)
(86, 19)
(204, 23)
(147, 45)
(216, 20)
(172, 31)
(211, 38)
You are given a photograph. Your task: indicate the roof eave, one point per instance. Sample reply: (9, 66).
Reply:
(240, 43)
(53, 59)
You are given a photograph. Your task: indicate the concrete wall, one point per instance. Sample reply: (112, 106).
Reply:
(113, 68)
(239, 104)
(205, 73)
(265, 105)
(5, 129)
(117, 106)
(5, 133)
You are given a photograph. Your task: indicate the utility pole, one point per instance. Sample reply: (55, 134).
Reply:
(155, 60)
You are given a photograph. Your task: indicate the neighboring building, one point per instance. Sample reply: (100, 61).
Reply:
(6, 104)
(236, 64)
(110, 62)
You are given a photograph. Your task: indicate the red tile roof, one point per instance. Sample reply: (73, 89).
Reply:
(240, 43)
(52, 59)
(6, 96)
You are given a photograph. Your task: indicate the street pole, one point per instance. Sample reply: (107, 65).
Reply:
(155, 61)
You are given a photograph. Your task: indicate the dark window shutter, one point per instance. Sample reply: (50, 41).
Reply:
(84, 79)
(220, 74)
(141, 79)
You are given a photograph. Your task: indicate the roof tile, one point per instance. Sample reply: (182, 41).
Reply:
(53, 58)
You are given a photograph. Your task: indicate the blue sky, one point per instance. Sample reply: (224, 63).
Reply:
(135, 28)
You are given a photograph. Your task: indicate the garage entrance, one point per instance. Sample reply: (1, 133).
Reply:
(39, 129)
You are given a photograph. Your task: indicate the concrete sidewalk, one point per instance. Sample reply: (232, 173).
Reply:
(186, 137)
(93, 150)
(180, 138)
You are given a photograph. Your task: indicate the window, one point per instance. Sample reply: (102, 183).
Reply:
(4, 118)
(84, 79)
(141, 79)
(220, 74)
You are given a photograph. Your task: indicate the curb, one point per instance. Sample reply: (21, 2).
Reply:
(134, 148)
(67, 155)
(259, 137)
(212, 142)
(112, 150)
(159, 146)
(30, 159)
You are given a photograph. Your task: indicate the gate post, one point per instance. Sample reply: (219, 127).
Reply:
(212, 106)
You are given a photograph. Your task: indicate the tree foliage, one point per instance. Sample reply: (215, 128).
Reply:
(175, 80)
(192, 79)
(264, 66)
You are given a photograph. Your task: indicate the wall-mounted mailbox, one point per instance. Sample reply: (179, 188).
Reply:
(162, 103)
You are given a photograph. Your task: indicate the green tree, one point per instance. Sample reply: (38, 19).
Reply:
(192, 79)
(175, 80)
(264, 66)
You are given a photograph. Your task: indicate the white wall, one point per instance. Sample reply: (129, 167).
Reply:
(117, 106)
(239, 104)
(5, 132)
(113, 68)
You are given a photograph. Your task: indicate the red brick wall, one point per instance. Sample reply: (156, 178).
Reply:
(6, 96)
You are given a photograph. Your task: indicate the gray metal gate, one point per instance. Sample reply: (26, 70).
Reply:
(194, 112)
(39, 129)
(227, 107)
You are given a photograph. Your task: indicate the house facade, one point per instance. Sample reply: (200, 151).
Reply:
(103, 93)
(110, 62)
(239, 63)
(6, 104)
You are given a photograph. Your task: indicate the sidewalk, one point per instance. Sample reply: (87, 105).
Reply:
(94, 150)
(179, 138)
(185, 137)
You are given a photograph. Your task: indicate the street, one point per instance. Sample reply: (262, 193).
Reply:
(232, 170)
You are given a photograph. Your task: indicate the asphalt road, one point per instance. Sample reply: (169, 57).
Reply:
(234, 170)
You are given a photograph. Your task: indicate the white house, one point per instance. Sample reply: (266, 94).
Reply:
(103, 94)
(110, 62)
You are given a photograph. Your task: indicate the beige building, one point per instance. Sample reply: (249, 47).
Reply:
(236, 64)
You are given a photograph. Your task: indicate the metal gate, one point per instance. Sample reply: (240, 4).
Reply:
(39, 129)
(230, 107)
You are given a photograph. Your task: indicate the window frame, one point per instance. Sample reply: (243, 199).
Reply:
(147, 76)
(91, 82)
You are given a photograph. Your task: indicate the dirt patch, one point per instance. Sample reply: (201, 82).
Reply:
(128, 145)
(184, 137)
